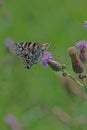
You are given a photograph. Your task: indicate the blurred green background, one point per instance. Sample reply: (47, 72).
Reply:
(37, 97)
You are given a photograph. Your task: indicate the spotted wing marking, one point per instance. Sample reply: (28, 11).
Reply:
(30, 52)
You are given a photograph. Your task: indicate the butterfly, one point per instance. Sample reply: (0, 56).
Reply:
(30, 52)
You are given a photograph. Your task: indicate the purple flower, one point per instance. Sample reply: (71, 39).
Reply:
(83, 57)
(48, 60)
(11, 120)
(9, 42)
(47, 56)
(85, 24)
(82, 45)
(9, 45)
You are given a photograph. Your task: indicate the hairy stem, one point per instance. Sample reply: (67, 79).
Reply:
(70, 76)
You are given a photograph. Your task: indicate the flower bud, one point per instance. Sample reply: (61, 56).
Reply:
(82, 47)
(77, 64)
(55, 65)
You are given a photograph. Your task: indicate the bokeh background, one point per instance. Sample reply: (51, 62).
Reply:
(39, 98)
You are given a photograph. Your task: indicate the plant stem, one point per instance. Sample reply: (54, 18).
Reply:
(85, 86)
(78, 82)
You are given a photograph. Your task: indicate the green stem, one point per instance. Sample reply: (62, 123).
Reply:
(78, 82)
(70, 76)
(85, 86)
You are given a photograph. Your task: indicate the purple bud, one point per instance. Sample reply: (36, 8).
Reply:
(47, 56)
(9, 45)
(82, 46)
(11, 120)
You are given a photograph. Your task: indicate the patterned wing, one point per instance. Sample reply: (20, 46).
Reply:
(30, 52)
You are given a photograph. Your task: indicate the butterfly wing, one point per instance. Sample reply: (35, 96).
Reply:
(30, 52)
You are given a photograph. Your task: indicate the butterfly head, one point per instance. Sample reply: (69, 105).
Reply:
(45, 47)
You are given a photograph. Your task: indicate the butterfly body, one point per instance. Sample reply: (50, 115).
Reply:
(30, 52)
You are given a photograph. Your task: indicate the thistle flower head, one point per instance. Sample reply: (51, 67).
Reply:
(48, 60)
(77, 64)
(11, 120)
(47, 56)
(85, 24)
(56, 66)
(82, 46)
